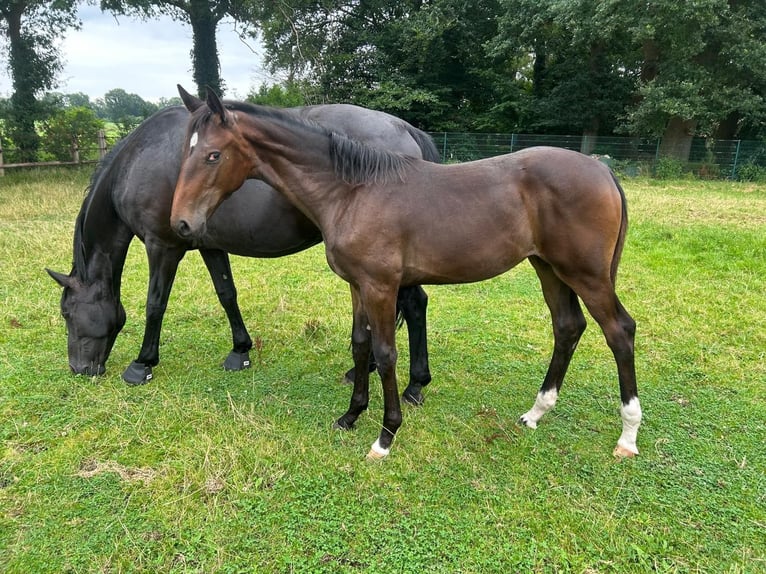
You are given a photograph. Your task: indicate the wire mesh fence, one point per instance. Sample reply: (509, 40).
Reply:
(632, 156)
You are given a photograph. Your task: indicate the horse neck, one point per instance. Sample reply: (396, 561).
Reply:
(296, 162)
(101, 232)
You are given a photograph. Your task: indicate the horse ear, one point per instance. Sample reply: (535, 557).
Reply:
(63, 280)
(215, 104)
(191, 102)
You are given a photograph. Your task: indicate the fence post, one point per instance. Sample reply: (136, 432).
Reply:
(2, 171)
(734, 165)
(513, 142)
(444, 148)
(75, 151)
(101, 144)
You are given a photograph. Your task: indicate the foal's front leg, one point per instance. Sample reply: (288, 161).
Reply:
(360, 346)
(380, 304)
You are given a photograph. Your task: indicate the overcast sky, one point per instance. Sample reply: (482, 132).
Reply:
(145, 58)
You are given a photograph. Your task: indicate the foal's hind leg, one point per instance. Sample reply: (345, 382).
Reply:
(619, 330)
(568, 326)
(412, 302)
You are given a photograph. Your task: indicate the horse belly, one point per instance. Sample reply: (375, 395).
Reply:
(257, 221)
(468, 249)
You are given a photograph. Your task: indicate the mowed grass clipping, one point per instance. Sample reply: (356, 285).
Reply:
(207, 471)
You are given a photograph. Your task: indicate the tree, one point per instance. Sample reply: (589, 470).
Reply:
(424, 61)
(31, 28)
(118, 104)
(203, 16)
(703, 70)
(579, 68)
(287, 95)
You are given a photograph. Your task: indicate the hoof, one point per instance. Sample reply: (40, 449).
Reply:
(137, 374)
(338, 425)
(374, 456)
(237, 361)
(414, 399)
(377, 452)
(622, 452)
(525, 422)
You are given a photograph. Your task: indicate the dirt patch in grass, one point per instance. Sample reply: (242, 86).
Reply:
(91, 468)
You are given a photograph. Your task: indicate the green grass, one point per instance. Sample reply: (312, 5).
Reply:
(206, 471)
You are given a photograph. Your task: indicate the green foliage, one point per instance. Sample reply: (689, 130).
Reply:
(32, 29)
(121, 107)
(287, 95)
(668, 168)
(214, 472)
(72, 128)
(525, 66)
(751, 172)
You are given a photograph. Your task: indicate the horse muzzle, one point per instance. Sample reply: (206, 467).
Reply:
(188, 229)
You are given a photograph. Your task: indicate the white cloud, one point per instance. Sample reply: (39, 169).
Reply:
(147, 58)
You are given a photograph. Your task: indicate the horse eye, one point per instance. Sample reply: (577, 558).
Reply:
(213, 156)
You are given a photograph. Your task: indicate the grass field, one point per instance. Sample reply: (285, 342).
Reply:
(214, 472)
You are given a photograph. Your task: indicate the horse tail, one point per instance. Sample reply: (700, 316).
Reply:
(425, 143)
(623, 230)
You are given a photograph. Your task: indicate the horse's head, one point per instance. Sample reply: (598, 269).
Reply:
(216, 162)
(94, 317)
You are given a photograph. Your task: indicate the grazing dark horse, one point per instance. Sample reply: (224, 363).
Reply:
(390, 220)
(131, 195)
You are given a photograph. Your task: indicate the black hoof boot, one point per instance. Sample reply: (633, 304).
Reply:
(237, 361)
(137, 374)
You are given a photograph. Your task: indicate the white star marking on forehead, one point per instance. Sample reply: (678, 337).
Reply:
(193, 140)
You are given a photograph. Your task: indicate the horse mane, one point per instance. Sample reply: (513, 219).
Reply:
(98, 184)
(353, 161)
(358, 163)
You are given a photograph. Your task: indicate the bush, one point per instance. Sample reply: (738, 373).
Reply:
(668, 168)
(751, 172)
(71, 127)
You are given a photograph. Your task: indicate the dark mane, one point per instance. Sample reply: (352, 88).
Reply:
(353, 161)
(100, 183)
(358, 163)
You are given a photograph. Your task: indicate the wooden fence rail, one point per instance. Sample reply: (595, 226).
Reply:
(74, 151)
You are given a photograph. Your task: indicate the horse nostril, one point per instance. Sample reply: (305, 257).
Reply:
(182, 228)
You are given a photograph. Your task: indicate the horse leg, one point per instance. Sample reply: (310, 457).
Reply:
(219, 267)
(360, 345)
(163, 264)
(619, 329)
(380, 304)
(412, 303)
(568, 326)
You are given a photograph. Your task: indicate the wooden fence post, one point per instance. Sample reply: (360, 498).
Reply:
(75, 151)
(2, 171)
(101, 144)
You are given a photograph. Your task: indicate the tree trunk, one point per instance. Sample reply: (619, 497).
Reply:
(590, 137)
(207, 69)
(677, 139)
(21, 121)
(728, 128)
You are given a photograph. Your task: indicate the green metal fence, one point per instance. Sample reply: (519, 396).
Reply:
(729, 159)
